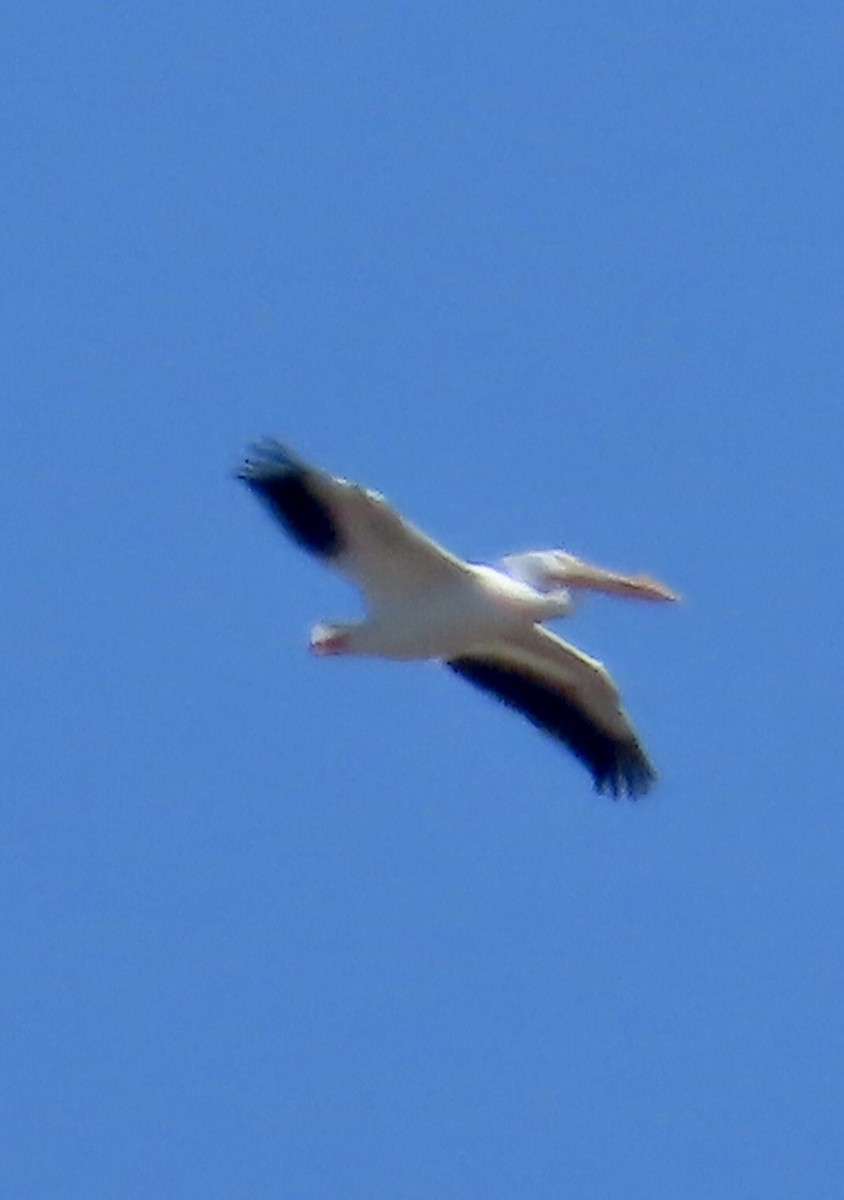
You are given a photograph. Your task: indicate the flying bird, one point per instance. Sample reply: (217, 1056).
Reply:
(484, 623)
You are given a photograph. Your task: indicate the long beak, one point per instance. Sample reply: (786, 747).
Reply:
(573, 572)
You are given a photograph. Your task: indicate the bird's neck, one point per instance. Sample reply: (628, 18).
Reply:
(558, 603)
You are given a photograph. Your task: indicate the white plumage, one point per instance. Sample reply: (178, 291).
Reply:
(485, 624)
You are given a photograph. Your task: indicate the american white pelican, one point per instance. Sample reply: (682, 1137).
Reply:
(485, 624)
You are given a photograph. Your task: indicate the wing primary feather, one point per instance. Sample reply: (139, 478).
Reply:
(618, 767)
(281, 481)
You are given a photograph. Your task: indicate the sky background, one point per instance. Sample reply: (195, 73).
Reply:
(545, 274)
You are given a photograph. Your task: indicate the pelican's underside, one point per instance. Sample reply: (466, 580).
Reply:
(423, 602)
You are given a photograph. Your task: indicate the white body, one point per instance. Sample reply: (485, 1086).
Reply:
(468, 613)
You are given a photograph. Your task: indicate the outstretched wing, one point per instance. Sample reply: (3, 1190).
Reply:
(568, 695)
(351, 528)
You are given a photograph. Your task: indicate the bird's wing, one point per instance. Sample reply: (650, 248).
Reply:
(351, 528)
(568, 695)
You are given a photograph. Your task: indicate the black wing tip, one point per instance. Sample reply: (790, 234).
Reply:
(619, 769)
(265, 460)
(286, 485)
(630, 777)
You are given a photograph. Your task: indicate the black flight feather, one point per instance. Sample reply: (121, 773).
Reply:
(282, 482)
(620, 768)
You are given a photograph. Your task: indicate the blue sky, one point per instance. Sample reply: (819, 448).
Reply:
(545, 275)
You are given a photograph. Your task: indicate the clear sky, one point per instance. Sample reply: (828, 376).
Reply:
(545, 274)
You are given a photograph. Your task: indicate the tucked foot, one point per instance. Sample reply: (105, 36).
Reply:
(328, 639)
